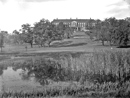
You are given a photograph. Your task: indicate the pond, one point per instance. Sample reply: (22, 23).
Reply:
(18, 79)
(34, 74)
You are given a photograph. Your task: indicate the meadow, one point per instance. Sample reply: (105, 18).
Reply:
(72, 70)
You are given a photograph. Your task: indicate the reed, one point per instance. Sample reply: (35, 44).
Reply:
(102, 73)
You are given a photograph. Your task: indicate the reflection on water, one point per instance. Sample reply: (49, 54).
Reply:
(30, 76)
(18, 79)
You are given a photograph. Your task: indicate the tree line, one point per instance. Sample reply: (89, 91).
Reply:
(42, 33)
(111, 30)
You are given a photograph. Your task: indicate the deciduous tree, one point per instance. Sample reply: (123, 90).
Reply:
(27, 34)
(1, 40)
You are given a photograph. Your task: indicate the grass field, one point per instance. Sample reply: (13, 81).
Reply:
(80, 42)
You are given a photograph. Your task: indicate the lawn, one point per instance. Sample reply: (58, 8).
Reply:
(80, 42)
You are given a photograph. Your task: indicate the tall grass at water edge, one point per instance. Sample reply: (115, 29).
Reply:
(100, 66)
(99, 72)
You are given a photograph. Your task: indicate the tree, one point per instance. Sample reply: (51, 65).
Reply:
(103, 34)
(6, 37)
(1, 40)
(127, 19)
(15, 32)
(39, 31)
(122, 33)
(100, 31)
(94, 30)
(51, 34)
(46, 32)
(17, 37)
(60, 30)
(68, 32)
(27, 34)
(119, 31)
(112, 25)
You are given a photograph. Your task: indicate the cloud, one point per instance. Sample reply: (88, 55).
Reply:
(116, 4)
(40, 0)
(128, 1)
(119, 9)
(119, 12)
(23, 5)
(3, 1)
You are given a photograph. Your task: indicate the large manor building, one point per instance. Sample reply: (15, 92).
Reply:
(78, 24)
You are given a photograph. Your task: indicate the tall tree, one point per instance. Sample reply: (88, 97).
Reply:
(1, 40)
(27, 34)
(60, 30)
(122, 33)
(17, 37)
(103, 34)
(39, 31)
(68, 32)
(119, 31)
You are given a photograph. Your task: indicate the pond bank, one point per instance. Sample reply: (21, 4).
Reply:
(89, 75)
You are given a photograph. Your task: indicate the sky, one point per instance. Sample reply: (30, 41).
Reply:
(14, 13)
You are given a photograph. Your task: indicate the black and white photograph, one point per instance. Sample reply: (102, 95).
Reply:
(64, 48)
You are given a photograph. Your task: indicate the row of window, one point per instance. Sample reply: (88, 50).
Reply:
(77, 24)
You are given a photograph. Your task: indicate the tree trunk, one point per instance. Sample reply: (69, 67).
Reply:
(41, 45)
(103, 42)
(49, 42)
(110, 42)
(31, 45)
(1, 48)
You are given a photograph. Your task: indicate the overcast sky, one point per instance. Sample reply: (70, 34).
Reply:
(14, 13)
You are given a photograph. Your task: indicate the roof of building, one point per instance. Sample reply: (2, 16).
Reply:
(70, 20)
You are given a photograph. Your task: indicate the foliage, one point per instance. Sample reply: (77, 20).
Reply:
(68, 32)
(16, 37)
(1, 39)
(103, 31)
(115, 31)
(119, 31)
(122, 33)
(45, 32)
(27, 34)
(39, 31)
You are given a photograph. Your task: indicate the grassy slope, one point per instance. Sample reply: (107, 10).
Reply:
(79, 42)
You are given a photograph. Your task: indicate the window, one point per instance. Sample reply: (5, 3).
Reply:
(84, 24)
(78, 24)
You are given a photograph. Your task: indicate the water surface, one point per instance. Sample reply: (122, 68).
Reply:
(17, 79)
